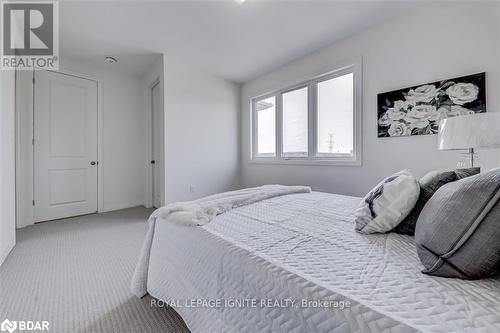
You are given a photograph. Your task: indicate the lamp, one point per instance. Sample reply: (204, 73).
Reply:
(479, 130)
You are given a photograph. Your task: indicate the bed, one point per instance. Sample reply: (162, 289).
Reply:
(293, 263)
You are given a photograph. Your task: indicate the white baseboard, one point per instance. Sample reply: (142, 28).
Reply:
(107, 208)
(24, 225)
(5, 251)
(112, 207)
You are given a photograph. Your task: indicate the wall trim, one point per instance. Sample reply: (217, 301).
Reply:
(148, 200)
(113, 207)
(5, 251)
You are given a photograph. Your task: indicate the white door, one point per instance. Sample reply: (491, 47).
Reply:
(157, 160)
(65, 146)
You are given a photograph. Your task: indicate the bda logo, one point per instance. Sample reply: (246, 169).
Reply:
(24, 325)
(8, 325)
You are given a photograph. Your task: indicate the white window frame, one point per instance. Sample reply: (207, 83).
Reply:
(255, 149)
(313, 157)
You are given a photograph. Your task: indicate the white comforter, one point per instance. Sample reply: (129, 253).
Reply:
(200, 212)
(303, 247)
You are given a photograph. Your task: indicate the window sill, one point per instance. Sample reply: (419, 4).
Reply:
(295, 161)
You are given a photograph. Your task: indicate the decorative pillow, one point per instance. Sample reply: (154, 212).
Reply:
(387, 204)
(458, 231)
(463, 173)
(429, 184)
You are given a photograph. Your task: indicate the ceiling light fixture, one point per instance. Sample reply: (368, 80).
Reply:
(240, 1)
(111, 60)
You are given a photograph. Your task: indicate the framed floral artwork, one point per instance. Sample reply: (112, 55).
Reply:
(418, 110)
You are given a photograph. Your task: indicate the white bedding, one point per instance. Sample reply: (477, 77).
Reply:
(202, 211)
(303, 247)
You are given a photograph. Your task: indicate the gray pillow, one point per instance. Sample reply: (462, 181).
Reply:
(458, 231)
(463, 173)
(429, 184)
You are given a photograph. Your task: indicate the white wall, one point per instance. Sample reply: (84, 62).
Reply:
(7, 165)
(201, 133)
(497, 91)
(123, 155)
(124, 134)
(438, 41)
(201, 141)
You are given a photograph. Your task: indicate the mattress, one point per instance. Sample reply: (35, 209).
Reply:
(295, 264)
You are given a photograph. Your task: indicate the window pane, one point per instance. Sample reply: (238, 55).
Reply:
(335, 115)
(266, 126)
(295, 122)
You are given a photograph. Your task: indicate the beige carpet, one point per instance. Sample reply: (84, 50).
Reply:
(75, 273)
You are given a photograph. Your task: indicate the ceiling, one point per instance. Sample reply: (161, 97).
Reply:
(235, 41)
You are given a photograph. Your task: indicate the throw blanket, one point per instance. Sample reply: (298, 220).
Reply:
(200, 212)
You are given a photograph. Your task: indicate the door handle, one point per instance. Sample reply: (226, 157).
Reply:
(93, 163)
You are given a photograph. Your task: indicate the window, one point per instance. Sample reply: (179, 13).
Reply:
(266, 126)
(315, 122)
(295, 122)
(335, 115)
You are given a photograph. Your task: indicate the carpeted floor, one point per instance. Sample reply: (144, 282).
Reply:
(75, 273)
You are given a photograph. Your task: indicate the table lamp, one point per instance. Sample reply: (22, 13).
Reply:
(479, 130)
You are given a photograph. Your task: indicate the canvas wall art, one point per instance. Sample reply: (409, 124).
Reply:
(419, 109)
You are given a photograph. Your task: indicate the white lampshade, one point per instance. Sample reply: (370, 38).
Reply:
(479, 130)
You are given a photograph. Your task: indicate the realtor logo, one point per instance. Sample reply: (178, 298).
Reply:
(30, 34)
(8, 326)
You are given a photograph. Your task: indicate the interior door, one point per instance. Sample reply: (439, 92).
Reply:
(157, 161)
(65, 146)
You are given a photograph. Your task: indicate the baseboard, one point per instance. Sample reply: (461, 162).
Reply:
(5, 251)
(20, 226)
(110, 208)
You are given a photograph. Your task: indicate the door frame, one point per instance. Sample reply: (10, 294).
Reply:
(149, 172)
(24, 136)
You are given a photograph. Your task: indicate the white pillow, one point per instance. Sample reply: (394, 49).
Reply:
(387, 204)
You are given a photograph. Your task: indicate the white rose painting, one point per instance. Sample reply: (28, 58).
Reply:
(418, 110)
